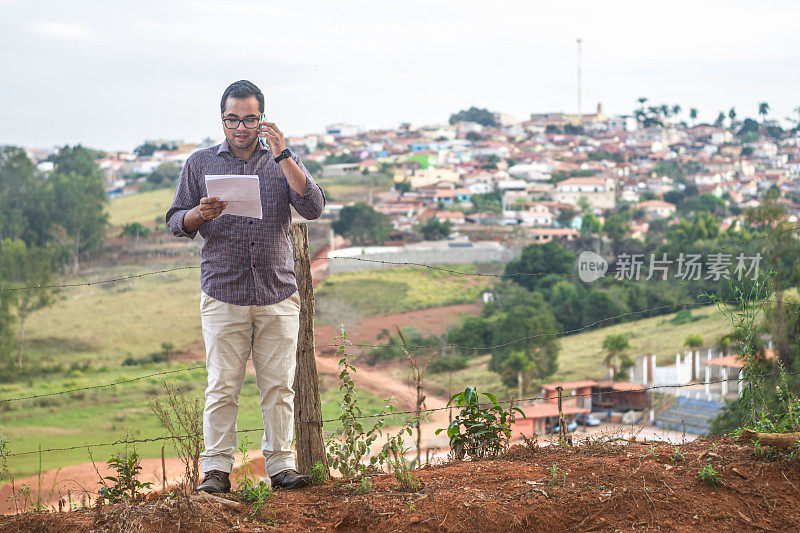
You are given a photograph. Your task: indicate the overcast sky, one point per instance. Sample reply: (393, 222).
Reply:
(110, 74)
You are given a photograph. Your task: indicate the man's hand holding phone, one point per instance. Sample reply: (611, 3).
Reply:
(274, 137)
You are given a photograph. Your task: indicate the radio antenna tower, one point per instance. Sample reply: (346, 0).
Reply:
(579, 41)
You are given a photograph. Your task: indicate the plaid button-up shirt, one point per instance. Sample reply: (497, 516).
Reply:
(245, 261)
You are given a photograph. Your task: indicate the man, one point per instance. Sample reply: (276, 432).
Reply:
(249, 300)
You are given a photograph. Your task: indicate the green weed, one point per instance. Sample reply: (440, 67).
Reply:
(346, 451)
(479, 431)
(364, 487)
(124, 485)
(319, 474)
(557, 475)
(710, 477)
(256, 493)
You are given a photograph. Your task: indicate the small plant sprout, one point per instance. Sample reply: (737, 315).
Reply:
(710, 476)
(364, 487)
(257, 493)
(557, 475)
(319, 474)
(677, 456)
(125, 484)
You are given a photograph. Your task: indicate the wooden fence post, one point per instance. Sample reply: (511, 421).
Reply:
(309, 440)
(163, 472)
(562, 430)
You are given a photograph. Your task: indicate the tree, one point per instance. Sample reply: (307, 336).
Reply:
(135, 230)
(480, 116)
(565, 217)
(337, 159)
(79, 222)
(693, 115)
(616, 227)
(686, 233)
(567, 300)
(537, 326)
(474, 333)
(16, 177)
(362, 224)
(693, 341)
(77, 159)
(548, 258)
(670, 168)
(165, 175)
(590, 225)
(25, 266)
(720, 122)
(749, 126)
(794, 121)
(615, 346)
(489, 201)
(763, 110)
(434, 229)
(732, 116)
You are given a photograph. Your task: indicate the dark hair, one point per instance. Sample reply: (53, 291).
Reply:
(242, 89)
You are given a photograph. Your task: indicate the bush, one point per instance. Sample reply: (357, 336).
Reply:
(479, 431)
(125, 483)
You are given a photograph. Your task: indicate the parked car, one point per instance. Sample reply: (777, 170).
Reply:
(587, 419)
(571, 426)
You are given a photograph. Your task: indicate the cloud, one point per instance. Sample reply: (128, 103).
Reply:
(65, 30)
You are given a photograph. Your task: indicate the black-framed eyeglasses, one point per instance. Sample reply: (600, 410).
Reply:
(249, 122)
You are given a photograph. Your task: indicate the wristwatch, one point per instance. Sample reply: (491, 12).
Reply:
(283, 155)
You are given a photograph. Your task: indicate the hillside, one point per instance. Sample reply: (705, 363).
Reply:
(597, 486)
(91, 330)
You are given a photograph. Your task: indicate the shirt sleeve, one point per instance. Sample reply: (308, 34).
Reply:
(310, 204)
(187, 196)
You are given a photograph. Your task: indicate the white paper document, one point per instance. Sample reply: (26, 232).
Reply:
(240, 191)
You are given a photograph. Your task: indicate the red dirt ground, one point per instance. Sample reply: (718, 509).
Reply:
(604, 487)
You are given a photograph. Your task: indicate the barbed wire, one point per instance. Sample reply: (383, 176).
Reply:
(422, 413)
(99, 282)
(434, 267)
(91, 387)
(388, 345)
(379, 261)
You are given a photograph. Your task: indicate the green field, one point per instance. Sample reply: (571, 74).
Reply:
(106, 323)
(106, 415)
(582, 354)
(395, 290)
(143, 208)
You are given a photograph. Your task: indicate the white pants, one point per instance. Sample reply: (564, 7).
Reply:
(231, 333)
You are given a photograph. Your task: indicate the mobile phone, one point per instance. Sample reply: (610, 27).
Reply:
(262, 140)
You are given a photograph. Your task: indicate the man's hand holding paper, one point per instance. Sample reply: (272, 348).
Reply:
(240, 193)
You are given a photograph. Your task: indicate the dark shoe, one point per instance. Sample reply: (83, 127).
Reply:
(289, 479)
(215, 481)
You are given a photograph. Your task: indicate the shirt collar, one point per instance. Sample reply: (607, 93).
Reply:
(223, 147)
